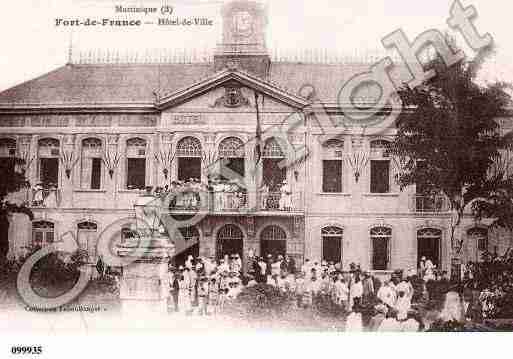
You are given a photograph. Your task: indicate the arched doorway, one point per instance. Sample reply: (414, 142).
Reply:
(332, 244)
(273, 241)
(230, 240)
(189, 247)
(429, 242)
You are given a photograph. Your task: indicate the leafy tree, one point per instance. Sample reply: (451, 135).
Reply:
(11, 181)
(448, 135)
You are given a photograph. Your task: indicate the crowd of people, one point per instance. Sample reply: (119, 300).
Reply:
(204, 286)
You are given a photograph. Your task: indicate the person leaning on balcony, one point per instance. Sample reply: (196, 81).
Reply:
(286, 197)
(38, 195)
(264, 195)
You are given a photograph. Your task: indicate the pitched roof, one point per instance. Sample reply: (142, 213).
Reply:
(105, 83)
(326, 79)
(97, 84)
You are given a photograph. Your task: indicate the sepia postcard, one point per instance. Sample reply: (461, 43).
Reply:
(189, 168)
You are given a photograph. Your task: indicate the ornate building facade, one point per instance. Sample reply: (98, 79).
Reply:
(94, 136)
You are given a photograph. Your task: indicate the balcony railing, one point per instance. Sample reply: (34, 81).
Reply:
(229, 201)
(219, 202)
(430, 204)
(40, 198)
(279, 202)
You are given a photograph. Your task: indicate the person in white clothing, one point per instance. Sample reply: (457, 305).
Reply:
(387, 294)
(285, 202)
(355, 292)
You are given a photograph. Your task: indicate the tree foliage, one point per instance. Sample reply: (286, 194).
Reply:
(448, 135)
(11, 180)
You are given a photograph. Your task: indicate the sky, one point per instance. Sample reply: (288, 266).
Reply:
(31, 44)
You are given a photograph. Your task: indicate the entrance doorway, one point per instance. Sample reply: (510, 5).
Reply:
(332, 244)
(189, 247)
(428, 245)
(230, 240)
(273, 241)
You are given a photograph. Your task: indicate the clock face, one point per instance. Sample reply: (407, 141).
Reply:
(243, 24)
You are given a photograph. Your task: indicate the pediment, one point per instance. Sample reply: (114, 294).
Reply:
(231, 90)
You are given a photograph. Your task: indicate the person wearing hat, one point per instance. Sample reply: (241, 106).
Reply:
(355, 291)
(224, 287)
(260, 270)
(299, 288)
(269, 265)
(341, 292)
(213, 295)
(203, 287)
(174, 288)
(236, 263)
(184, 295)
(368, 288)
(224, 266)
(306, 267)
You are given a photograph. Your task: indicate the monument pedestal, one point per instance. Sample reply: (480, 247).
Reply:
(144, 286)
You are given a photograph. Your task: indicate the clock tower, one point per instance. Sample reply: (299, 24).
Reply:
(243, 44)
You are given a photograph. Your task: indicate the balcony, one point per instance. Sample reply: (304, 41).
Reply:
(234, 203)
(430, 204)
(278, 202)
(44, 198)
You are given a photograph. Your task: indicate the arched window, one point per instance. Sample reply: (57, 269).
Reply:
(273, 241)
(480, 237)
(87, 234)
(232, 152)
(91, 176)
(332, 166)
(274, 173)
(332, 238)
(381, 238)
(49, 152)
(189, 147)
(7, 155)
(189, 152)
(42, 233)
(379, 167)
(136, 150)
(429, 242)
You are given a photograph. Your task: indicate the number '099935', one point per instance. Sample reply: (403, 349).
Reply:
(27, 350)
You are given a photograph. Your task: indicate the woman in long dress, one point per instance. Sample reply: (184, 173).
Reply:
(184, 295)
